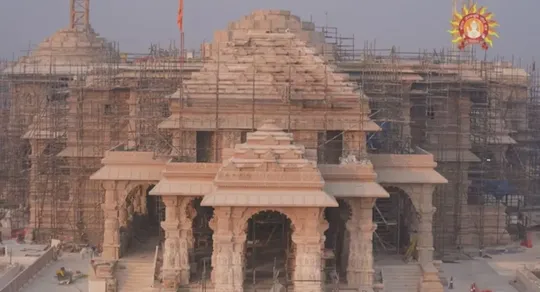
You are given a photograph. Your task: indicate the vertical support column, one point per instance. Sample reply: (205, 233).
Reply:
(222, 274)
(421, 196)
(185, 240)
(425, 210)
(111, 236)
(238, 258)
(308, 239)
(175, 252)
(361, 227)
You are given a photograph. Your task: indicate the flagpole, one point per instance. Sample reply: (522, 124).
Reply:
(182, 54)
(181, 27)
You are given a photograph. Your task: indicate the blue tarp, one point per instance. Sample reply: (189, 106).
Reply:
(372, 140)
(496, 188)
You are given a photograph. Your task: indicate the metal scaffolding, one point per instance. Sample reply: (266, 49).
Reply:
(479, 118)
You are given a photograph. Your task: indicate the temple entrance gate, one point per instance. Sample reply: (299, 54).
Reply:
(269, 255)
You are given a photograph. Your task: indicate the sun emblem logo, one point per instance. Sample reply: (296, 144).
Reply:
(473, 26)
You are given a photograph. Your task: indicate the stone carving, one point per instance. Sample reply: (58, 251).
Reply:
(269, 156)
(350, 159)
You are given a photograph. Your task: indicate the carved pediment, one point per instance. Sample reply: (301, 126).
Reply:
(270, 156)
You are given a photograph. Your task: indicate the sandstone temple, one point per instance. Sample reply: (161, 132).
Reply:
(274, 158)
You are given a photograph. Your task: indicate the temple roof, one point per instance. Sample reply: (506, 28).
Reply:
(269, 170)
(270, 66)
(67, 51)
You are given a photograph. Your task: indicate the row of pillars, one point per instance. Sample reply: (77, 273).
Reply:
(229, 226)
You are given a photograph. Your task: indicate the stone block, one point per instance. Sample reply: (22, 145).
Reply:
(221, 36)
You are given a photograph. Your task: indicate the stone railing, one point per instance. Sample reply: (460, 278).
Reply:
(27, 274)
(11, 272)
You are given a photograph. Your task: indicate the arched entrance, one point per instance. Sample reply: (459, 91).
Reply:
(269, 250)
(155, 213)
(337, 242)
(201, 251)
(396, 221)
(140, 221)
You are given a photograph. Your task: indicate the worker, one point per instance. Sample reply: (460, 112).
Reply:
(473, 288)
(451, 284)
(61, 273)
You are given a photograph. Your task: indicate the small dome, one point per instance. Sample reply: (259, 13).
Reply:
(67, 48)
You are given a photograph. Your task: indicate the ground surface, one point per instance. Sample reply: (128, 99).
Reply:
(23, 253)
(476, 271)
(495, 271)
(45, 281)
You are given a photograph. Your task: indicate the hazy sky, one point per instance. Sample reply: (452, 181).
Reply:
(408, 24)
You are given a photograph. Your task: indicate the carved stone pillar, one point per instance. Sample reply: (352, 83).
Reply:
(185, 241)
(361, 227)
(421, 196)
(425, 238)
(111, 234)
(175, 253)
(238, 260)
(191, 213)
(307, 237)
(223, 277)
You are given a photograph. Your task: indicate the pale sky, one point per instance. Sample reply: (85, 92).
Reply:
(407, 24)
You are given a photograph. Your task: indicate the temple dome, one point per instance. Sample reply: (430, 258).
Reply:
(67, 48)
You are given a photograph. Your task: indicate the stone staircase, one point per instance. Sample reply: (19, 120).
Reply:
(135, 276)
(401, 278)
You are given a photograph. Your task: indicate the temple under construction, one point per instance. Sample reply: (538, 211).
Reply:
(104, 147)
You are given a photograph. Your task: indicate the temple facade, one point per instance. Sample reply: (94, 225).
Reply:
(269, 172)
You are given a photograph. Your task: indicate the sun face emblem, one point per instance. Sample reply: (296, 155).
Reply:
(473, 26)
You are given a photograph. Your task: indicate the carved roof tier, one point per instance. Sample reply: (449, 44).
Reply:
(266, 167)
(270, 66)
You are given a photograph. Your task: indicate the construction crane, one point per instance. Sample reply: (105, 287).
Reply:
(79, 13)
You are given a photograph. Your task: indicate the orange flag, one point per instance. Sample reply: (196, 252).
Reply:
(180, 20)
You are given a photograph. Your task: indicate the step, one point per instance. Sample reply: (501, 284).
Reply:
(401, 278)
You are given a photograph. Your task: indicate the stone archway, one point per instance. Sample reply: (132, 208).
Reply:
(396, 221)
(230, 227)
(201, 244)
(268, 249)
(139, 216)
